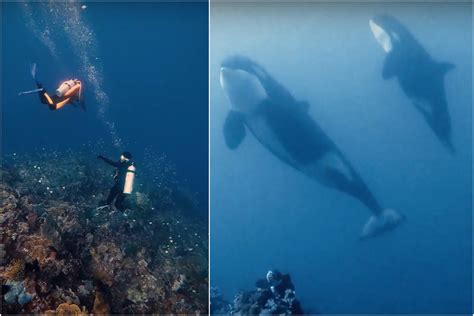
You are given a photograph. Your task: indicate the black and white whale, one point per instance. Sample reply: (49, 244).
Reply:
(419, 75)
(282, 124)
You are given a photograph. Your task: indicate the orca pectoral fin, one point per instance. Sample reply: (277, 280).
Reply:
(234, 129)
(444, 67)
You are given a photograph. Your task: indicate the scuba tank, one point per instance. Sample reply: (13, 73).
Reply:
(65, 87)
(129, 178)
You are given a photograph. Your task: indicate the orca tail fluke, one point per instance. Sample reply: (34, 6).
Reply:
(387, 220)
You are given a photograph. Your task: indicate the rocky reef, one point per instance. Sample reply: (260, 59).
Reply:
(60, 255)
(273, 295)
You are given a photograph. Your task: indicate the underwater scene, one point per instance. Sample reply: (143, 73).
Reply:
(341, 158)
(104, 191)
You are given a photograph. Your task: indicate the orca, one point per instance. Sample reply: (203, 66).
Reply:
(419, 75)
(262, 106)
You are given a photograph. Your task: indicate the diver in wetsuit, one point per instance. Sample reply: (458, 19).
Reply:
(279, 286)
(124, 176)
(68, 92)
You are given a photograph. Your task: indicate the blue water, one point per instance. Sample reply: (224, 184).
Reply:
(266, 215)
(145, 69)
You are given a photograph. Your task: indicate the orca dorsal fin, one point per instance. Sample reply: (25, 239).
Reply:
(234, 129)
(444, 67)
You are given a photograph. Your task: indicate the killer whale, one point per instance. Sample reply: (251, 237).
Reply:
(282, 124)
(419, 75)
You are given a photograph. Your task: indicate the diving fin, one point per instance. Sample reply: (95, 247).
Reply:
(31, 91)
(33, 75)
(234, 129)
(387, 220)
(38, 85)
(33, 71)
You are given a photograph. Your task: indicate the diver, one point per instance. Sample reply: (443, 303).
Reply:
(124, 178)
(278, 287)
(68, 92)
(279, 283)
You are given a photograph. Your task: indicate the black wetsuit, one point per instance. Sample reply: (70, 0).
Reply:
(116, 192)
(50, 101)
(281, 284)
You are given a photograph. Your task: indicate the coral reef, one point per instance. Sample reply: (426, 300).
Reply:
(274, 295)
(67, 309)
(100, 305)
(219, 306)
(63, 256)
(16, 293)
(13, 271)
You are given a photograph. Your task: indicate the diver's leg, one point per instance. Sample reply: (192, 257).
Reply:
(120, 202)
(110, 198)
(45, 98)
(114, 191)
(42, 96)
(73, 91)
(62, 103)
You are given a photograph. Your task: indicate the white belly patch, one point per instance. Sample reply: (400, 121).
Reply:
(244, 90)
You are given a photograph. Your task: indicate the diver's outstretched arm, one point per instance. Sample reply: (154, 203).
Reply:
(108, 161)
